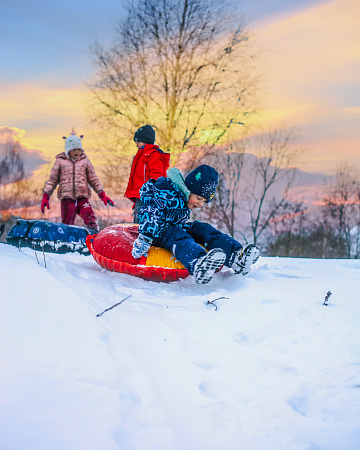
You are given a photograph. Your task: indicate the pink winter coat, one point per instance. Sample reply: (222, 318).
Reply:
(73, 177)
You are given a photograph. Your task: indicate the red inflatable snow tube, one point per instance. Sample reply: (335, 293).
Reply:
(111, 249)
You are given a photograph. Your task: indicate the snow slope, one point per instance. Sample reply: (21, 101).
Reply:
(270, 368)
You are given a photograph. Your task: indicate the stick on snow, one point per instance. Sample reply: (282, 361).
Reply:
(212, 302)
(113, 306)
(327, 298)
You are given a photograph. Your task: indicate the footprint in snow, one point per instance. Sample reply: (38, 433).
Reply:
(243, 338)
(299, 404)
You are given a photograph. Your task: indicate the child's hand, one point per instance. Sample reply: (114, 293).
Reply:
(104, 198)
(45, 202)
(141, 246)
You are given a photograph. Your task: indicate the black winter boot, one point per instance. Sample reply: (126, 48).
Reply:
(207, 265)
(243, 260)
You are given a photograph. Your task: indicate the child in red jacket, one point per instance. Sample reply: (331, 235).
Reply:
(74, 174)
(150, 162)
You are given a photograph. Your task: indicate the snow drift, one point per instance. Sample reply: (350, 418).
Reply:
(265, 366)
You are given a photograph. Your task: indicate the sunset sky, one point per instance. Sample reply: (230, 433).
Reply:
(310, 57)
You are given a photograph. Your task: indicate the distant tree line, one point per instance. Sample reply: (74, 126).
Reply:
(331, 230)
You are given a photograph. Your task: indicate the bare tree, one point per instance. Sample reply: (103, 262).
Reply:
(253, 189)
(11, 164)
(11, 171)
(342, 209)
(183, 65)
(16, 189)
(226, 206)
(229, 161)
(276, 153)
(331, 230)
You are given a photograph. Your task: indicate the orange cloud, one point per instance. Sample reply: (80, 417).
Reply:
(317, 45)
(45, 111)
(312, 61)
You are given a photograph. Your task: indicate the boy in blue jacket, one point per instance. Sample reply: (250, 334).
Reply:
(167, 203)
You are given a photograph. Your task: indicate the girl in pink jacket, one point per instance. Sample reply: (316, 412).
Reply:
(74, 174)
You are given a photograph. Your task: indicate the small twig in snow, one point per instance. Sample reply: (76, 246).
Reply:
(113, 306)
(212, 302)
(327, 298)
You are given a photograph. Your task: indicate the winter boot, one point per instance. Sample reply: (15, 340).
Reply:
(207, 265)
(244, 259)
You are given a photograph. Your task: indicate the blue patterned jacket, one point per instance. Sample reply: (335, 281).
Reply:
(164, 205)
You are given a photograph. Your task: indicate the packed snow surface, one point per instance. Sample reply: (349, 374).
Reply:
(266, 366)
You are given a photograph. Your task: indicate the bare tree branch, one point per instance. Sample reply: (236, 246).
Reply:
(182, 65)
(276, 154)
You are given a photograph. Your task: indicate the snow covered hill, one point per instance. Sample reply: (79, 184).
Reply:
(267, 366)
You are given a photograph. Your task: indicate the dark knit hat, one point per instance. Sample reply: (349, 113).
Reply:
(203, 181)
(145, 134)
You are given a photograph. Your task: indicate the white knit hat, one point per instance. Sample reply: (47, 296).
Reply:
(72, 142)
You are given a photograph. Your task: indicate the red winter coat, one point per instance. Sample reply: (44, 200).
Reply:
(149, 162)
(73, 177)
